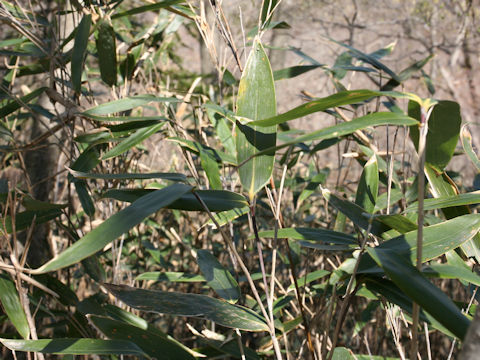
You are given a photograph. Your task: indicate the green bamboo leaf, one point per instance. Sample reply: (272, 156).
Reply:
(5, 132)
(382, 200)
(80, 51)
(103, 119)
(342, 353)
(217, 277)
(311, 234)
(443, 132)
(216, 200)
(115, 226)
(422, 291)
(228, 216)
(231, 348)
(437, 239)
(367, 190)
(75, 346)
(312, 185)
(37, 205)
(382, 52)
(66, 295)
(356, 214)
(107, 52)
(223, 131)
(170, 277)
(87, 160)
(312, 276)
(394, 295)
(447, 201)
(196, 148)
(114, 133)
(347, 128)
(442, 186)
(319, 239)
(14, 105)
(267, 10)
(151, 342)
(141, 9)
(449, 271)
(406, 73)
(293, 71)
(134, 139)
(210, 166)
(130, 176)
(11, 305)
(338, 99)
(22, 14)
(466, 138)
(397, 222)
(371, 59)
(125, 104)
(24, 219)
(189, 305)
(256, 100)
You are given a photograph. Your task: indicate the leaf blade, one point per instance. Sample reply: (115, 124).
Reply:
(190, 305)
(79, 51)
(13, 308)
(217, 277)
(256, 100)
(115, 226)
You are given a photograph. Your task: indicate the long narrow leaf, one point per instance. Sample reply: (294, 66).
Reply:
(75, 346)
(107, 52)
(125, 104)
(347, 128)
(338, 99)
(130, 176)
(80, 50)
(145, 8)
(217, 277)
(13, 308)
(115, 226)
(151, 342)
(190, 305)
(422, 291)
(256, 100)
(134, 139)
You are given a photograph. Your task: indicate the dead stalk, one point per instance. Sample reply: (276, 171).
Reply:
(231, 246)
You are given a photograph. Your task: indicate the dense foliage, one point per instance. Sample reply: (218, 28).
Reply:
(151, 211)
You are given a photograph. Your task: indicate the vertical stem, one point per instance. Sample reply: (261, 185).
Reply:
(231, 246)
(260, 255)
(421, 195)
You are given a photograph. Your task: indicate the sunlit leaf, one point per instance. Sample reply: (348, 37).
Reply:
(466, 138)
(126, 103)
(443, 132)
(256, 100)
(133, 140)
